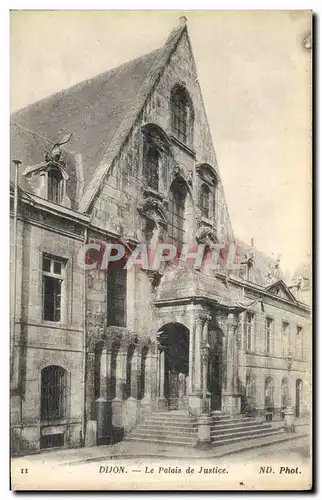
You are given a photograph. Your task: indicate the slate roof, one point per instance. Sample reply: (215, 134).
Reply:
(93, 110)
(99, 111)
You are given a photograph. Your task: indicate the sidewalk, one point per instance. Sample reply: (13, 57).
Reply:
(134, 450)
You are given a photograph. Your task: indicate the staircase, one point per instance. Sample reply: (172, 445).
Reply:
(227, 429)
(179, 429)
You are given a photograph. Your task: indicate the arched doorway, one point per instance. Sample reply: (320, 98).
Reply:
(298, 397)
(174, 339)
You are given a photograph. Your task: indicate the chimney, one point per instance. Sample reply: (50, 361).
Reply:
(183, 20)
(252, 242)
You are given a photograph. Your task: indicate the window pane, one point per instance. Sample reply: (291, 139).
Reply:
(116, 300)
(51, 298)
(57, 267)
(53, 380)
(46, 264)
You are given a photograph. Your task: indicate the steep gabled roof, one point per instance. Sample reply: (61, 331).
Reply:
(162, 57)
(93, 110)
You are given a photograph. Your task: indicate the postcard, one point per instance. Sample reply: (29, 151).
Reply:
(161, 280)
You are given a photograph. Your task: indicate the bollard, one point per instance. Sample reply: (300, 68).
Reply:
(289, 419)
(103, 413)
(204, 432)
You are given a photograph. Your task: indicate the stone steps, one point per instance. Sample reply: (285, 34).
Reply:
(233, 439)
(179, 429)
(241, 428)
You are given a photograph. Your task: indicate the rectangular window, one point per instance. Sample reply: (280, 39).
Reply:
(299, 342)
(285, 337)
(53, 393)
(51, 441)
(249, 330)
(116, 296)
(52, 280)
(268, 335)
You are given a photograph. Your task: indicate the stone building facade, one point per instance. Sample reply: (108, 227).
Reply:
(139, 169)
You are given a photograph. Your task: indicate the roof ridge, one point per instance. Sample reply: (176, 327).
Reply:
(61, 92)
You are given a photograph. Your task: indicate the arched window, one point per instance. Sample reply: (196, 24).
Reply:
(53, 393)
(205, 201)
(176, 211)
(269, 392)
(181, 115)
(55, 185)
(151, 166)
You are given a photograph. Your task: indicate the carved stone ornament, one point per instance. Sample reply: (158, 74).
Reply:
(153, 209)
(178, 171)
(154, 276)
(274, 272)
(249, 258)
(52, 158)
(206, 235)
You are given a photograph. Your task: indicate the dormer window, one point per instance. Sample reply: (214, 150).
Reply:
(55, 185)
(182, 115)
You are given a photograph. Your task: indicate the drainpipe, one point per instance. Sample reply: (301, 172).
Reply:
(84, 375)
(17, 163)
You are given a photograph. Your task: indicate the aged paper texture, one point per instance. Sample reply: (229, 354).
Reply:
(160, 189)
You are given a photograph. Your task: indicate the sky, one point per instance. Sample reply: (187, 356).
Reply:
(255, 76)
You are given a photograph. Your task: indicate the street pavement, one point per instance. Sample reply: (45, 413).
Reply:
(297, 444)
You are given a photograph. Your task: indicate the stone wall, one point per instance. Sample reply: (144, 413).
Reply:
(40, 343)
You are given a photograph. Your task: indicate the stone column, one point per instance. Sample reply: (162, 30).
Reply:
(197, 387)
(205, 364)
(120, 372)
(198, 370)
(161, 368)
(120, 378)
(191, 357)
(230, 399)
(104, 374)
(135, 373)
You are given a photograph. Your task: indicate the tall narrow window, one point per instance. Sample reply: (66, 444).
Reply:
(299, 342)
(176, 211)
(285, 337)
(53, 393)
(182, 115)
(53, 270)
(55, 185)
(116, 296)
(268, 335)
(151, 166)
(249, 331)
(205, 201)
